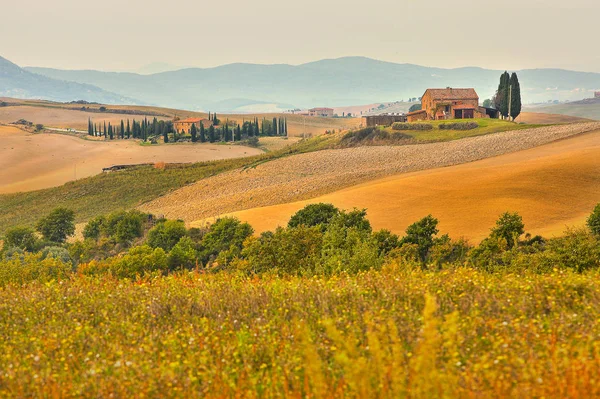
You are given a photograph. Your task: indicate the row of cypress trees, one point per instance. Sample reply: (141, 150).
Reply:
(232, 132)
(143, 129)
(508, 96)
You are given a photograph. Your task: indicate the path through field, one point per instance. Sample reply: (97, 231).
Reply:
(35, 161)
(308, 176)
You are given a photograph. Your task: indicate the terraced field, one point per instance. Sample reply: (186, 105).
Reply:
(307, 176)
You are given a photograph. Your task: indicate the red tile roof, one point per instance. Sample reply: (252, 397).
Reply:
(416, 112)
(453, 94)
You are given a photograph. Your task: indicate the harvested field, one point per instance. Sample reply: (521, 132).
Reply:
(63, 118)
(551, 186)
(307, 176)
(35, 161)
(540, 118)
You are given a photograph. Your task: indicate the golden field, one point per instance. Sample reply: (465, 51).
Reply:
(550, 186)
(36, 161)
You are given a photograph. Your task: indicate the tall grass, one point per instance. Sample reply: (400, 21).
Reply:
(395, 333)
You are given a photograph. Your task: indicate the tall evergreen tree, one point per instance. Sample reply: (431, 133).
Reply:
(128, 129)
(238, 133)
(90, 128)
(515, 105)
(211, 134)
(110, 131)
(501, 98)
(122, 129)
(194, 132)
(105, 132)
(202, 133)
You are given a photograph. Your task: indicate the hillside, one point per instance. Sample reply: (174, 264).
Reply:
(20, 83)
(589, 109)
(335, 82)
(551, 186)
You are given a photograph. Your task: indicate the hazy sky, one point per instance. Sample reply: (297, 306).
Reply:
(127, 34)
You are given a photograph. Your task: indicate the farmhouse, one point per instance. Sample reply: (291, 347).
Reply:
(597, 94)
(186, 124)
(449, 103)
(322, 112)
(382, 120)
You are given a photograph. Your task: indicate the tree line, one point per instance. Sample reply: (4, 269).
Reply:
(152, 130)
(144, 130)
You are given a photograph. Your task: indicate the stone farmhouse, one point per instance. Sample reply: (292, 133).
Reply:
(322, 112)
(449, 103)
(186, 124)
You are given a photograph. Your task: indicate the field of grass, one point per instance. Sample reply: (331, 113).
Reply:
(127, 189)
(396, 333)
(486, 126)
(589, 111)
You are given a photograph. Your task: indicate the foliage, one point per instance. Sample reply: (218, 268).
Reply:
(593, 222)
(314, 215)
(515, 105)
(392, 334)
(422, 234)
(121, 226)
(226, 234)
(371, 136)
(412, 126)
(138, 261)
(32, 267)
(166, 234)
(58, 225)
(509, 227)
(20, 237)
(414, 107)
(459, 126)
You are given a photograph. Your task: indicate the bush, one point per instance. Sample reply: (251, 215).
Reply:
(459, 126)
(58, 225)
(139, 261)
(349, 250)
(509, 227)
(295, 250)
(20, 237)
(578, 250)
(183, 254)
(166, 234)
(593, 221)
(226, 234)
(412, 126)
(422, 234)
(386, 241)
(59, 253)
(31, 267)
(314, 215)
(371, 135)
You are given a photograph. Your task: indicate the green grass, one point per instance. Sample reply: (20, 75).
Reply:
(127, 189)
(486, 126)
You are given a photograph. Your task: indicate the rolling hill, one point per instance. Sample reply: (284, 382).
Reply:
(19, 83)
(333, 82)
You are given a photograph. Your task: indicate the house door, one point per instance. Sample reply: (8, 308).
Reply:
(468, 114)
(458, 114)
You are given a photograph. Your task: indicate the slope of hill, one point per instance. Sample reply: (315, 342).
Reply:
(19, 83)
(581, 109)
(343, 81)
(551, 186)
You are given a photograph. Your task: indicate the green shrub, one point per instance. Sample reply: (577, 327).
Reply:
(509, 227)
(422, 234)
(371, 135)
(121, 226)
(59, 253)
(295, 250)
(21, 237)
(459, 126)
(58, 225)
(593, 221)
(31, 267)
(183, 254)
(226, 234)
(348, 250)
(578, 250)
(314, 215)
(412, 126)
(386, 241)
(166, 234)
(139, 261)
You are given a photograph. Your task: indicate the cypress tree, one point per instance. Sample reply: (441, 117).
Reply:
(105, 132)
(211, 134)
(275, 130)
(193, 132)
(501, 98)
(110, 131)
(202, 133)
(122, 129)
(238, 133)
(515, 105)
(128, 129)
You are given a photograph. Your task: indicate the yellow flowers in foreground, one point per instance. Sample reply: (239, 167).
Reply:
(384, 334)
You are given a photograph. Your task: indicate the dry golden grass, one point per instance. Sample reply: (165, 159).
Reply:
(550, 186)
(35, 161)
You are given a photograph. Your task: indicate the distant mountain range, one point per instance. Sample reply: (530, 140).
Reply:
(333, 83)
(19, 83)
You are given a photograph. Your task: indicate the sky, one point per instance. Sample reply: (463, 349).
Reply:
(129, 34)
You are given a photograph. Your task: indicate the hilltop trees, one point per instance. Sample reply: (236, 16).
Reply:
(58, 225)
(508, 96)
